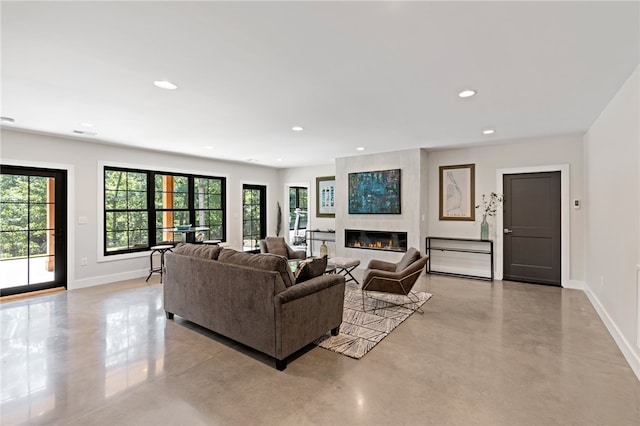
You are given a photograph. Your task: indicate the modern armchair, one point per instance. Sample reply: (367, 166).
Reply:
(277, 245)
(396, 278)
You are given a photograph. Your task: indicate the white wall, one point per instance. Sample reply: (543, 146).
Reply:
(410, 162)
(83, 158)
(524, 154)
(612, 151)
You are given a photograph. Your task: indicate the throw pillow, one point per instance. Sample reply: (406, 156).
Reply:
(310, 268)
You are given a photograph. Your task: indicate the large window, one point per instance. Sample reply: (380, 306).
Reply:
(254, 220)
(143, 208)
(125, 207)
(208, 202)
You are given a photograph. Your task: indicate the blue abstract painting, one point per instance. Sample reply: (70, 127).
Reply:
(375, 192)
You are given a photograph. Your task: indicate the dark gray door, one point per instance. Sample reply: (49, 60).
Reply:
(532, 228)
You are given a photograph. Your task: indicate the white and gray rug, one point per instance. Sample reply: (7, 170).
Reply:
(361, 331)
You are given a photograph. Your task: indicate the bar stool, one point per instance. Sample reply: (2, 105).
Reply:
(162, 250)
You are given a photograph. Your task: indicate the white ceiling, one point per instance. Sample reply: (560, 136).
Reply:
(381, 75)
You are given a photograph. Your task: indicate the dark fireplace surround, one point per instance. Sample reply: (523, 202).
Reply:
(375, 240)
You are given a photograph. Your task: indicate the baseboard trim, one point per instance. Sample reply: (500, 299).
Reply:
(31, 294)
(574, 284)
(107, 279)
(632, 357)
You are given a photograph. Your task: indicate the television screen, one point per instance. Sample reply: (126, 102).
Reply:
(374, 192)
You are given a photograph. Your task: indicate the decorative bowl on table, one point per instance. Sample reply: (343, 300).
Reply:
(183, 227)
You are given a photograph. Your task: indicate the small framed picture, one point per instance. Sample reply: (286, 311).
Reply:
(325, 196)
(457, 189)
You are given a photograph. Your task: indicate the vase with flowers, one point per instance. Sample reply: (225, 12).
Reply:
(488, 207)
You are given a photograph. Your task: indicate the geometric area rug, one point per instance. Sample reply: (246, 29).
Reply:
(361, 331)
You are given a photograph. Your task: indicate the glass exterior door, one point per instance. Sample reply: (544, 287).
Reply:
(32, 229)
(254, 216)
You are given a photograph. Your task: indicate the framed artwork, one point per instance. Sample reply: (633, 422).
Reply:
(457, 189)
(325, 196)
(375, 192)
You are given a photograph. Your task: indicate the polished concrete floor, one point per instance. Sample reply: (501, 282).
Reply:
(482, 354)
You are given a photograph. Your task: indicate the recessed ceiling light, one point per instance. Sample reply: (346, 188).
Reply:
(488, 131)
(7, 120)
(82, 132)
(164, 84)
(297, 128)
(278, 159)
(208, 147)
(467, 93)
(86, 124)
(360, 148)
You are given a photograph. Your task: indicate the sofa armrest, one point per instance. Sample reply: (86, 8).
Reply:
(381, 265)
(306, 311)
(308, 287)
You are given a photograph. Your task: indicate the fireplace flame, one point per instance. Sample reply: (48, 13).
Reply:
(375, 244)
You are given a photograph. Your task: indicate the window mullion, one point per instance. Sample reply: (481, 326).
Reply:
(151, 209)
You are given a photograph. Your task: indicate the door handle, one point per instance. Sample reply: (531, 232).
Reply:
(507, 231)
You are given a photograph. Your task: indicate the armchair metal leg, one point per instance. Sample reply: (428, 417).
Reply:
(412, 304)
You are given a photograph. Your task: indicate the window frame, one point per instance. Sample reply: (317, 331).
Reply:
(151, 209)
(297, 205)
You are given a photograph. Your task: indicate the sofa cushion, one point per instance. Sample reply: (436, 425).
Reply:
(409, 257)
(198, 250)
(310, 268)
(264, 261)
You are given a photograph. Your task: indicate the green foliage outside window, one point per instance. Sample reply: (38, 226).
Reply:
(23, 216)
(126, 215)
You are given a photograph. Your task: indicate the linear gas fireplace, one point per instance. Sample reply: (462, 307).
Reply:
(375, 240)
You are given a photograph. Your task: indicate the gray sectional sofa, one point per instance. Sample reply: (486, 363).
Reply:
(251, 298)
